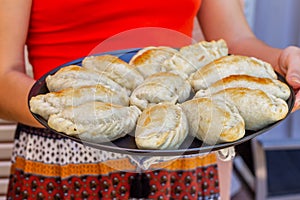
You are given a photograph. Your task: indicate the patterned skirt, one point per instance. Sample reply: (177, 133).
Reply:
(48, 166)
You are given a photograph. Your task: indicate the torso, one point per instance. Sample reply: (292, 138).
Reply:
(65, 30)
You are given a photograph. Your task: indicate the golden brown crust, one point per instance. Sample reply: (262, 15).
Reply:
(257, 108)
(242, 90)
(230, 65)
(149, 54)
(213, 121)
(270, 86)
(150, 60)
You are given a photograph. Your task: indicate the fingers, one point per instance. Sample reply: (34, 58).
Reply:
(293, 74)
(297, 102)
(289, 62)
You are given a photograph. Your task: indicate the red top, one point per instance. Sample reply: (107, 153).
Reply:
(64, 30)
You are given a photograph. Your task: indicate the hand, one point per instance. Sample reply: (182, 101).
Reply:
(289, 65)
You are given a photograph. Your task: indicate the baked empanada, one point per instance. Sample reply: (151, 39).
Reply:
(213, 121)
(230, 65)
(149, 60)
(115, 69)
(257, 108)
(96, 121)
(74, 76)
(162, 126)
(179, 65)
(160, 87)
(192, 57)
(270, 86)
(55, 102)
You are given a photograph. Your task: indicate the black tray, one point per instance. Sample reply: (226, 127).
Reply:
(126, 145)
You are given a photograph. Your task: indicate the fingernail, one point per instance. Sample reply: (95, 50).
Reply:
(296, 79)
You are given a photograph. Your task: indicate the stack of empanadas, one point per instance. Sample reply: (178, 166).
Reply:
(87, 103)
(162, 95)
(249, 84)
(257, 108)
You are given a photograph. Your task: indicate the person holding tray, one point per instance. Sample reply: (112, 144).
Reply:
(48, 166)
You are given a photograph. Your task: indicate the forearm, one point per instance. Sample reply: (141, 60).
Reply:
(14, 92)
(224, 173)
(251, 46)
(226, 20)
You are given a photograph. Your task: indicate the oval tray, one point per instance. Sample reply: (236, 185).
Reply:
(126, 145)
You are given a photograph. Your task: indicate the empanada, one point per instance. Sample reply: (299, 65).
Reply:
(213, 121)
(74, 76)
(270, 86)
(193, 57)
(162, 126)
(115, 69)
(55, 102)
(149, 60)
(96, 121)
(257, 108)
(160, 87)
(230, 65)
(179, 65)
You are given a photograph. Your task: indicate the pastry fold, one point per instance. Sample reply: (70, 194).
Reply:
(74, 76)
(160, 87)
(213, 121)
(162, 126)
(96, 121)
(193, 57)
(55, 102)
(115, 69)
